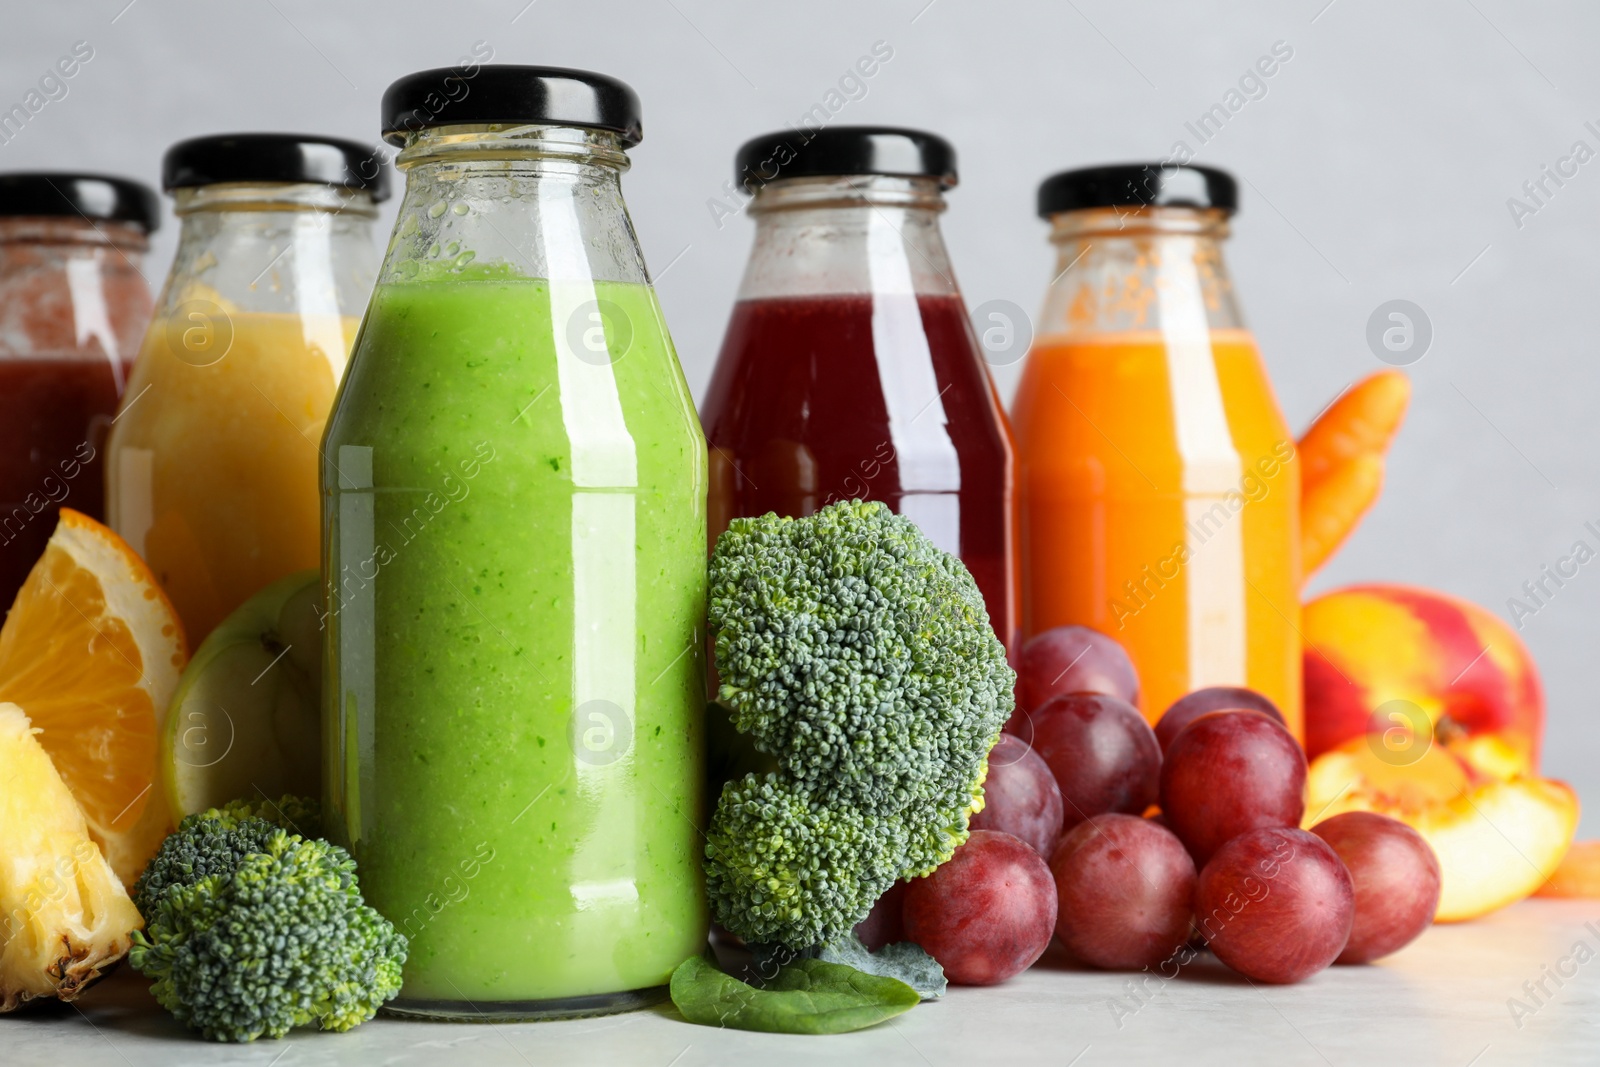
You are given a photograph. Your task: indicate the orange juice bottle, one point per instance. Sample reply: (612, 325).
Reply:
(213, 458)
(1160, 490)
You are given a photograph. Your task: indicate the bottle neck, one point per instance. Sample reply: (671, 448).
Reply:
(235, 199)
(71, 288)
(862, 234)
(273, 247)
(484, 202)
(70, 236)
(1129, 270)
(39, 246)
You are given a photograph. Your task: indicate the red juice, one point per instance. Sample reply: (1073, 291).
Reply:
(73, 306)
(54, 416)
(878, 397)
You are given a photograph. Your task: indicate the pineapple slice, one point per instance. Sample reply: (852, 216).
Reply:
(64, 916)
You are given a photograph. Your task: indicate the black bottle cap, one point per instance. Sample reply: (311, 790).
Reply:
(512, 95)
(837, 151)
(275, 157)
(96, 197)
(1139, 185)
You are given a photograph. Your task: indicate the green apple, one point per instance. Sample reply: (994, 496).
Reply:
(245, 721)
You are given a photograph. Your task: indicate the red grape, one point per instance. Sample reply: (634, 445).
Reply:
(1069, 659)
(1228, 772)
(1396, 878)
(1020, 796)
(1125, 887)
(1275, 904)
(883, 924)
(1102, 752)
(1187, 709)
(987, 913)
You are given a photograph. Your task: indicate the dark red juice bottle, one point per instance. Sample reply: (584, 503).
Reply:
(850, 369)
(73, 307)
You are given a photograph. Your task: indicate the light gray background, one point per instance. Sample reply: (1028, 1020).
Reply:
(1379, 164)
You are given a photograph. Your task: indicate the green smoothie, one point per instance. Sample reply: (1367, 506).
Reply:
(515, 494)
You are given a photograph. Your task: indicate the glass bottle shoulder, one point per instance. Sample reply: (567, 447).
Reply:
(579, 379)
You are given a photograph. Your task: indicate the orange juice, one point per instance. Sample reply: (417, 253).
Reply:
(1169, 538)
(1160, 488)
(213, 463)
(214, 459)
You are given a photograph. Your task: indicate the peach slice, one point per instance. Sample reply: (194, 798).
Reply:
(1578, 876)
(1411, 781)
(1497, 841)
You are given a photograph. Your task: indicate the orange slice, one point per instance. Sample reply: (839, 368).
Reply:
(92, 651)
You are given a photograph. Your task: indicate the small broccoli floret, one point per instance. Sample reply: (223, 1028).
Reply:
(214, 841)
(859, 656)
(284, 940)
(790, 869)
(298, 815)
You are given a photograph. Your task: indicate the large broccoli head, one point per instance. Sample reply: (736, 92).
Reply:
(283, 940)
(859, 656)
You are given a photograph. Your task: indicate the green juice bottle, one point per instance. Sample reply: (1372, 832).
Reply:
(514, 512)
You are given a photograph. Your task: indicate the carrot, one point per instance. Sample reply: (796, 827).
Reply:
(1578, 875)
(1332, 506)
(1363, 420)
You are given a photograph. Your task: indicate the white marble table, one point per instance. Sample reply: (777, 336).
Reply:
(1444, 1000)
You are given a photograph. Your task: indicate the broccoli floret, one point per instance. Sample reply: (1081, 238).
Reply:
(284, 940)
(214, 841)
(788, 869)
(859, 656)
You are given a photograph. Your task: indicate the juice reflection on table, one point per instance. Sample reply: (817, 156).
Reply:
(850, 368)
(1161, 491)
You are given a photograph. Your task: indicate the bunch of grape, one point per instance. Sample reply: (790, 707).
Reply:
(1070, 841)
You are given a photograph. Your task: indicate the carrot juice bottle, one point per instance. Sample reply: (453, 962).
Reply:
(1160, 492)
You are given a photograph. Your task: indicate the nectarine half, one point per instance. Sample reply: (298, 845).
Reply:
(1387, 657)
(1497, 840)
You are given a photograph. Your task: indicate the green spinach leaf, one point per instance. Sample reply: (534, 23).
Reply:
(904, 960)
(804, 997)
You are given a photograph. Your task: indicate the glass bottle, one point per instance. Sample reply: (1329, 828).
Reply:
(73, 305)
(850, 368)
(1160, 489)
(514, 497)
(213, 468)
